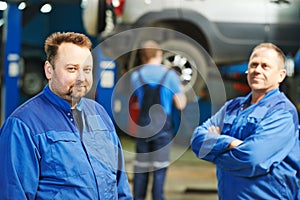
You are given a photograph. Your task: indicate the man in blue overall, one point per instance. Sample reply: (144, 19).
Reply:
(60, 145)
(154, 136)
(254, 140)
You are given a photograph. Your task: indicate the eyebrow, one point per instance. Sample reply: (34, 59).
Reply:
(68, 64)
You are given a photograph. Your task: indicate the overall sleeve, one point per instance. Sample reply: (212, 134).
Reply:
(123, 185)
(134, 81)
(174, 83)
(268, 146)
(135, 87)
(208, 145)
(19, 168)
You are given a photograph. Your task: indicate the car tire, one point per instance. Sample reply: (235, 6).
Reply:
(191, 60)
(33, 79)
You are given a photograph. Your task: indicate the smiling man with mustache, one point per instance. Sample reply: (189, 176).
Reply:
(71, 76)
(59, 144)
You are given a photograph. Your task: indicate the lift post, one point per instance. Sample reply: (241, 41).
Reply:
(12, 46)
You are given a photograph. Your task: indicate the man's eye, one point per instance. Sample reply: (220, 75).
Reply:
(87, 70)
(253, 65)
(265, 66)
(71, 69)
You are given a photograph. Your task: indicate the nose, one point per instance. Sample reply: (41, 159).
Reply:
(258, 68)
(80, 75)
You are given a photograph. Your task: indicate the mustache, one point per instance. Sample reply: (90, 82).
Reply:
(70, 91)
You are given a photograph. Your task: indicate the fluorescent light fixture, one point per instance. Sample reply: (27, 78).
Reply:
(46, 8)
(3, 5)
(22, 6)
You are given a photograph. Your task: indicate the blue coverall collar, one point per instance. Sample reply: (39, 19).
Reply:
(58, 101)
(265, 97)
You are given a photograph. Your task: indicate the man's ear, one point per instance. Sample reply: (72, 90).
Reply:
(282, 75)
(48, 68)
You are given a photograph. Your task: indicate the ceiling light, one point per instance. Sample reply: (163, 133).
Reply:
(22, 6)
(46, 8)
(3, 5)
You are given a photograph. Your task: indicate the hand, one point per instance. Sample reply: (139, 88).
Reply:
(234, 143)
(214, 129)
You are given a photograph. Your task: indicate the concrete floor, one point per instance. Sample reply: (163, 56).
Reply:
(188, 177)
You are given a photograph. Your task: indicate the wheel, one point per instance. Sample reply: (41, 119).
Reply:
(190, 61)
(33, 79)
(94, 16)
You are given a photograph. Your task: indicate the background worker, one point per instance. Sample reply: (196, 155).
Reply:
(153, 146)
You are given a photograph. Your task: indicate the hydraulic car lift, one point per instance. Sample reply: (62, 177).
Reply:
(11, 56)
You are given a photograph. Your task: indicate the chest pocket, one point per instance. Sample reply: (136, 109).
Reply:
(100, 144)
(62, 157)
(244, 124)
(254, 119)
(227, 126)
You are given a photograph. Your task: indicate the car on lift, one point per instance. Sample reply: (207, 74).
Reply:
(227, 30)
(197, 36)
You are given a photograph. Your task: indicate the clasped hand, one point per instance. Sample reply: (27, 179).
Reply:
(233, 144)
